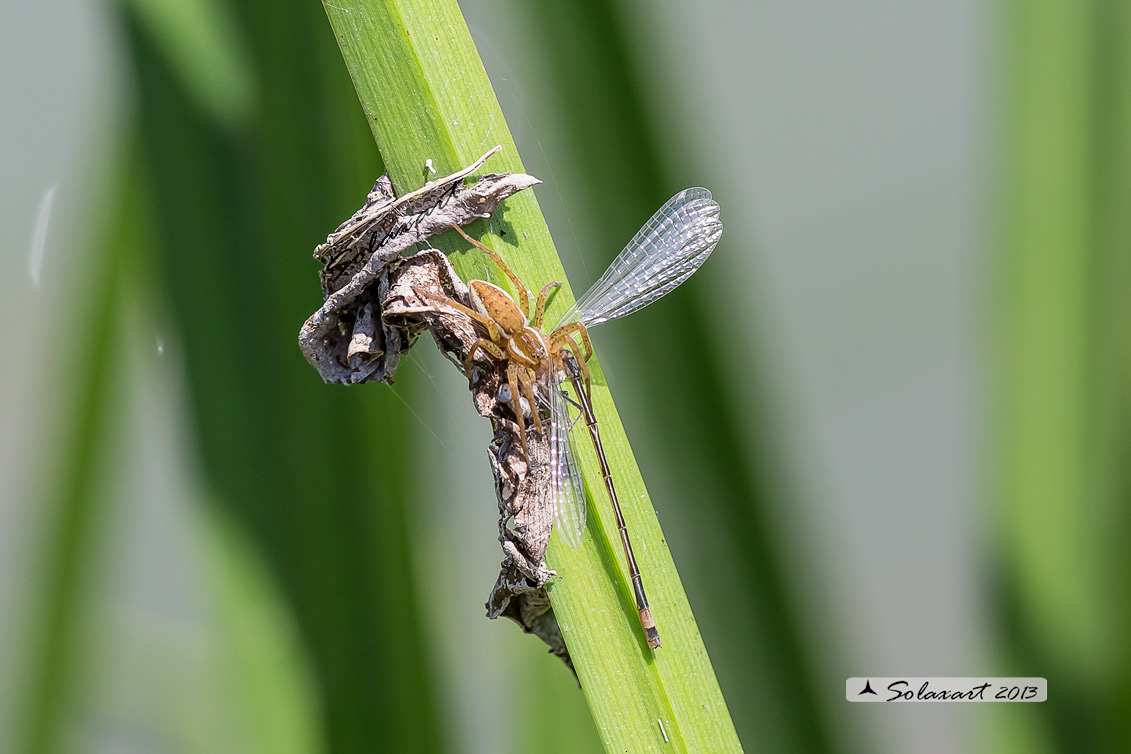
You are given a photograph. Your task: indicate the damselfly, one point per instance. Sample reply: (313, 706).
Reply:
(672, 245)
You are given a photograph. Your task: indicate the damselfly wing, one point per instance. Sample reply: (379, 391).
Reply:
(672, 245)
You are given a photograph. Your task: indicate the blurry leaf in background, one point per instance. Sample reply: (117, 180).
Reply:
(1064, 371)
(202, 44)
(297, 465)
(75, 508)
(262, 657)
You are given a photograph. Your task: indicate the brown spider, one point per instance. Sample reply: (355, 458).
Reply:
(531, 355)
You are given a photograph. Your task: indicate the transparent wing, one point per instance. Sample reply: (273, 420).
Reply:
(568, 486)
(664, 253)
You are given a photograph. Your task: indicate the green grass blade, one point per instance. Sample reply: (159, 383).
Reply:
(426, 96)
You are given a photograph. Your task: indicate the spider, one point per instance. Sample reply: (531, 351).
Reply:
(531, 355)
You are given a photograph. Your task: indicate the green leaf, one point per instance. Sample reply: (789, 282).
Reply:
(426, 97)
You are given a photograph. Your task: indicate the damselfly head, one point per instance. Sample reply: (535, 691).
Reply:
(505, 395)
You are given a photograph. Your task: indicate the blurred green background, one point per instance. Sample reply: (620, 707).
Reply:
(886, 427)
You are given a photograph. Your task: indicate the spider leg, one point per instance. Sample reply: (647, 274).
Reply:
(526, 380)
(486, 345)
(582, 364)
(563, 338)
(582, 332)
(451, 303)
(520, 289)
(493, 332)
(540, 306)
(516, 404)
